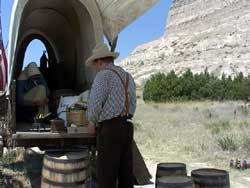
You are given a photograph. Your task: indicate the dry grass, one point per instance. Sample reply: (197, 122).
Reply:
(201, 134)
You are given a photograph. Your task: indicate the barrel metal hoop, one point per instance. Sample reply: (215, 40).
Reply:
(166, 166)
(57, 184)
(183, 184)
(65, 161)
(209, 184)
(59, 171)
(161, 168)
(224, 174)
(216, 176)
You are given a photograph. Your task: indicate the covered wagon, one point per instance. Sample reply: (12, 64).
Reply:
(69, 29)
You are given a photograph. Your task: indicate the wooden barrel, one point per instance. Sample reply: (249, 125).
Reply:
(171, 169)
(174, 182)
(65, 170)
(209, 177)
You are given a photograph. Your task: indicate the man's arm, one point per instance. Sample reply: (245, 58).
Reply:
(97, 98)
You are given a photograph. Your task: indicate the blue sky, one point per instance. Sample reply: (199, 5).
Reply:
(147, 28)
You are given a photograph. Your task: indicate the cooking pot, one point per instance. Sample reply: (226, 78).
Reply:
(57, 125)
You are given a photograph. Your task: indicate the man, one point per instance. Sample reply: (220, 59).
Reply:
(111, 105)
(31, 94)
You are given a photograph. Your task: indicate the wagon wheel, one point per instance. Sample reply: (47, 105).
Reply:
(2, 129)
(9, 142)
(11, 114)
(3, 121)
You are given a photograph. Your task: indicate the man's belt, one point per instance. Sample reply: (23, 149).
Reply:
(117, 119)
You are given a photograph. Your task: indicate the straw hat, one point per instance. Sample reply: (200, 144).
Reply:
(32, 70)
(100, 51)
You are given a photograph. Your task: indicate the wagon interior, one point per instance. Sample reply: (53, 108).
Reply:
(68, 42)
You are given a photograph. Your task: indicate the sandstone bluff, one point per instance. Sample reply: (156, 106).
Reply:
(200, 34)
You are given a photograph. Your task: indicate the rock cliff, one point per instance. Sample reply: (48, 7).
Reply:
(199, 34)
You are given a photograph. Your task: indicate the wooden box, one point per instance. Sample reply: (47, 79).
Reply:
(77, 130)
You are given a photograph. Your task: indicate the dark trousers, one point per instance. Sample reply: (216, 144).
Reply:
(114, 158)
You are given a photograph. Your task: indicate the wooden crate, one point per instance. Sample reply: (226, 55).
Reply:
(77, 130)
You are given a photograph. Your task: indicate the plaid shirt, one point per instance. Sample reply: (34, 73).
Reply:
(107, 96)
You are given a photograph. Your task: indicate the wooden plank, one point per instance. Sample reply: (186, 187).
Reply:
(141, 173)
(35, 139)
(48, 135)
(3, 106)
(28, 127)
(54, 143)
(13, 105)
(1, 146)
(77, 130)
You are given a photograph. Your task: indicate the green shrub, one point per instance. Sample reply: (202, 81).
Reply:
(246, 143)
(244, 124)
(227, 143)
(218, 127)
(169, 87)
(137, 126)
(244, 111)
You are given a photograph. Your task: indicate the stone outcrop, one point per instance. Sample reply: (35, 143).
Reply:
(200, 34)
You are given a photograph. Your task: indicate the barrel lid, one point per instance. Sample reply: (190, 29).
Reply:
(174, 182)
(209, 172)
(163, 166)
(67, 157)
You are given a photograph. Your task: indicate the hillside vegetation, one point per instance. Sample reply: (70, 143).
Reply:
(204, 86)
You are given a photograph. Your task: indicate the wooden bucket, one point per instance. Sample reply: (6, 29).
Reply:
(174, 182)
(77, 117)
(209, 177)
(65, 170)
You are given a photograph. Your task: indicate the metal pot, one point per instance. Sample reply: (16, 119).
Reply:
(57, 125)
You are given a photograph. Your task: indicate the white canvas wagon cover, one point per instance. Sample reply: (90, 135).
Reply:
(111, 16)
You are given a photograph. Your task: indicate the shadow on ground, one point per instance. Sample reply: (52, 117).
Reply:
(30, 167)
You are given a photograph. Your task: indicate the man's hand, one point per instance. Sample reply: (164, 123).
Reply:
(91, 128)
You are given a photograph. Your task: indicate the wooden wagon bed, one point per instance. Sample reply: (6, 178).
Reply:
(31, 136)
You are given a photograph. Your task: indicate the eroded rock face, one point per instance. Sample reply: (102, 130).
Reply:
(200, 34)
